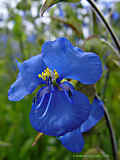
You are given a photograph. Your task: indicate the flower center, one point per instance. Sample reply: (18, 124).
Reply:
(48, 74)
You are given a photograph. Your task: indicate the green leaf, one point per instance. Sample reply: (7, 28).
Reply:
(88, 90)
(105, 50)
(24, 5)
(95, 153)
(48, 3)
(72, 23)
(25, 148)
(99, 46)
(4, 144)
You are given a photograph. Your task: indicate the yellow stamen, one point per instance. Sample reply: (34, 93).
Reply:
(39, 75)
(47, 73)
(63, 80)
(56, 74)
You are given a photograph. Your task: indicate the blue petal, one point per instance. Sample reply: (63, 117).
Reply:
(28, 79)
(30, 70)
(97, 112)
(72, 62)
(58, 113)
(19, 65)
(66, 84)
(17, 90)
(73, 141)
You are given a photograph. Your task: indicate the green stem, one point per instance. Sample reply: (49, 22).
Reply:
(107, 118)
(95, 24)
(112, 135)
(108, 26)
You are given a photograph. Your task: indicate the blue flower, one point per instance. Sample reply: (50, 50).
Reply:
(58, 109)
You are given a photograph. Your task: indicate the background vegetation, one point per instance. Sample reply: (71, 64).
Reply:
(22, 33)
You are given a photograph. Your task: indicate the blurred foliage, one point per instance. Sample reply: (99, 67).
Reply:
(22, 33)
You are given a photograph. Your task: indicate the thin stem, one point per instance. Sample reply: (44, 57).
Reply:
(95, 24)
(112, 135)
(108, 26)
(107, 118)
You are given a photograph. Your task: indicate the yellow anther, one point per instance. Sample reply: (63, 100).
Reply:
(63, 80)
(47, 73)
(47, 69)
(39, 75)
(56, 74)
(44, 78)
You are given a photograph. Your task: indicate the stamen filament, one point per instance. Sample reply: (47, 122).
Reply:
(37, 138)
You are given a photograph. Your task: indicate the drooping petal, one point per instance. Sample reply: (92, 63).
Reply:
(58, 114)
(73, 141)
(97, 112)
(72, 62)
(17, 90)
(28, 79)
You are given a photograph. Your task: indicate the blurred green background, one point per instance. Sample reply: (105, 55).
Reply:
(22, 33)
